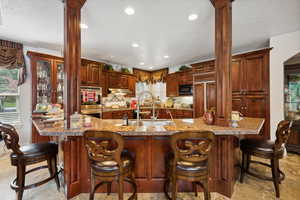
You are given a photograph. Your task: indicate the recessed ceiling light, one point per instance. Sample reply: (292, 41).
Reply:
(83, 26)
(135, 45)
(193, 17)
(150, 67)
(129, 11)
(141, 63)
(166, 56)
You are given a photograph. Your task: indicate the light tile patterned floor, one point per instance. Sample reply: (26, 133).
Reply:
(252, 189)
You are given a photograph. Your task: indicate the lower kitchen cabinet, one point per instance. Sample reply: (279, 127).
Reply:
(118, 114)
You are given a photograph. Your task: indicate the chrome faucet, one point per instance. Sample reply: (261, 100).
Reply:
(138, 106)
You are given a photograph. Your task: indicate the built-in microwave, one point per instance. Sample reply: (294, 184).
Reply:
(186, 90)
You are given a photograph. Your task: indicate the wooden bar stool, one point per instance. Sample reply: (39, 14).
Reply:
(109, 162)
(28, 155)
(268, 150)
(189, 161)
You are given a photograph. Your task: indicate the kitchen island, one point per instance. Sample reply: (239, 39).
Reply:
(149, 141)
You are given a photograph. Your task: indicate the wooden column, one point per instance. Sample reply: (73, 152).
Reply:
(223, 45)
(72, 56)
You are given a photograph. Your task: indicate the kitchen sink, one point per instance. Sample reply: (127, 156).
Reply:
(150, 122)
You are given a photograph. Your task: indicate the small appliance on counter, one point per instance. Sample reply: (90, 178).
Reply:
(91, 101)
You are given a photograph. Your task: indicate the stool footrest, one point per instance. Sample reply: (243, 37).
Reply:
(15, 187)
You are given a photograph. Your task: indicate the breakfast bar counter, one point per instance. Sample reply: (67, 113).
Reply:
(149, 141)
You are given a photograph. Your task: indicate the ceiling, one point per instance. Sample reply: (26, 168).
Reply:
(160, 27)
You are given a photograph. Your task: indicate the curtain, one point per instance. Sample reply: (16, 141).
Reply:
(142, 75)
(159, 75)
(150, 77)
(12, 57)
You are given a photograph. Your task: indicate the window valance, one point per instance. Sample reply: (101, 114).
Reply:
(12, 57)
(150, 76)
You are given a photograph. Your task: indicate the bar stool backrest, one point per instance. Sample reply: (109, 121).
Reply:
(192, 146)
(282, 133)
(104, 146)
(10, 137)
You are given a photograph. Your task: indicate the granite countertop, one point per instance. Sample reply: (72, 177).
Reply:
(156, 108)
(149, 128)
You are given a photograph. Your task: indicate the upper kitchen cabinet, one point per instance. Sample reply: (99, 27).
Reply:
(172, 85)
(90, 73)
(180, 83)
(131, 85)
(185, 77)
(118, 80)
(250, 73)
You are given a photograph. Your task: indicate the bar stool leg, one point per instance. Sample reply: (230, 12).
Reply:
(275, 174)
(55, 171)
(121, 187)
(108, 188)
(242, 168)
(174, 188)
(20, 181)
(206, 192)
(92, 192)
(195, 189)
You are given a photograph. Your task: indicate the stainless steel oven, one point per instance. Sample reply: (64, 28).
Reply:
(186, 90)
(91, 101)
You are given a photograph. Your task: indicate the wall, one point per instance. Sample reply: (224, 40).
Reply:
(284, 47)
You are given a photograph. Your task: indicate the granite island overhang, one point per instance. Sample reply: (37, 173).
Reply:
(149, 141)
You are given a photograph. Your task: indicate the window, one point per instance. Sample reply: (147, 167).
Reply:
(9, 96)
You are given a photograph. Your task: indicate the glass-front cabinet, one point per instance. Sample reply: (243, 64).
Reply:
(47, 80)
(292, 93)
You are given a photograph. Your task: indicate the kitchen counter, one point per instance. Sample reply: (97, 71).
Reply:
(156, 108)
(158, 127)
(150, 143)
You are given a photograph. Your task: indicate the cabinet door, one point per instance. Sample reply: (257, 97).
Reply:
(123, 82)
(113, 80)
(84, 74)
(255, 106)
(199, 100)
(237, 76)
(94, 74)
(211, 96)
(131, 85)
(103, 83)
(254, 71)
(172, 85)
(237, 104)
(59, 81)
(107, 115)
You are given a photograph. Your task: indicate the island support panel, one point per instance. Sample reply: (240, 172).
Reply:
(150, 152)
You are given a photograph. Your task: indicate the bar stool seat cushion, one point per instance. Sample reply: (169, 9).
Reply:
(260, 147)
(111, 166)
(35, 151)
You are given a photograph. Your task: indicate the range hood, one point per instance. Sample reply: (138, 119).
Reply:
(119, 91)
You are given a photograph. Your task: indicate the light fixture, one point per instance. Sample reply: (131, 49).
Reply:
(150, 67)
(135, 45)
(193, 17)
(166, 56)
(129, 11)
(141, 63)
(83, 26)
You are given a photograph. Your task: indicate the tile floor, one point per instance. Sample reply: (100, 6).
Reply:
(252, 189)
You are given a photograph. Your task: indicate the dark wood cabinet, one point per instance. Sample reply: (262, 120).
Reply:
(250, 86)
(199, 100)
(131, 85)
(118, 80)
(211, 98)
(174, 80)
(90, 73)
(172, 85)
(237, 76)
(117, 114)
